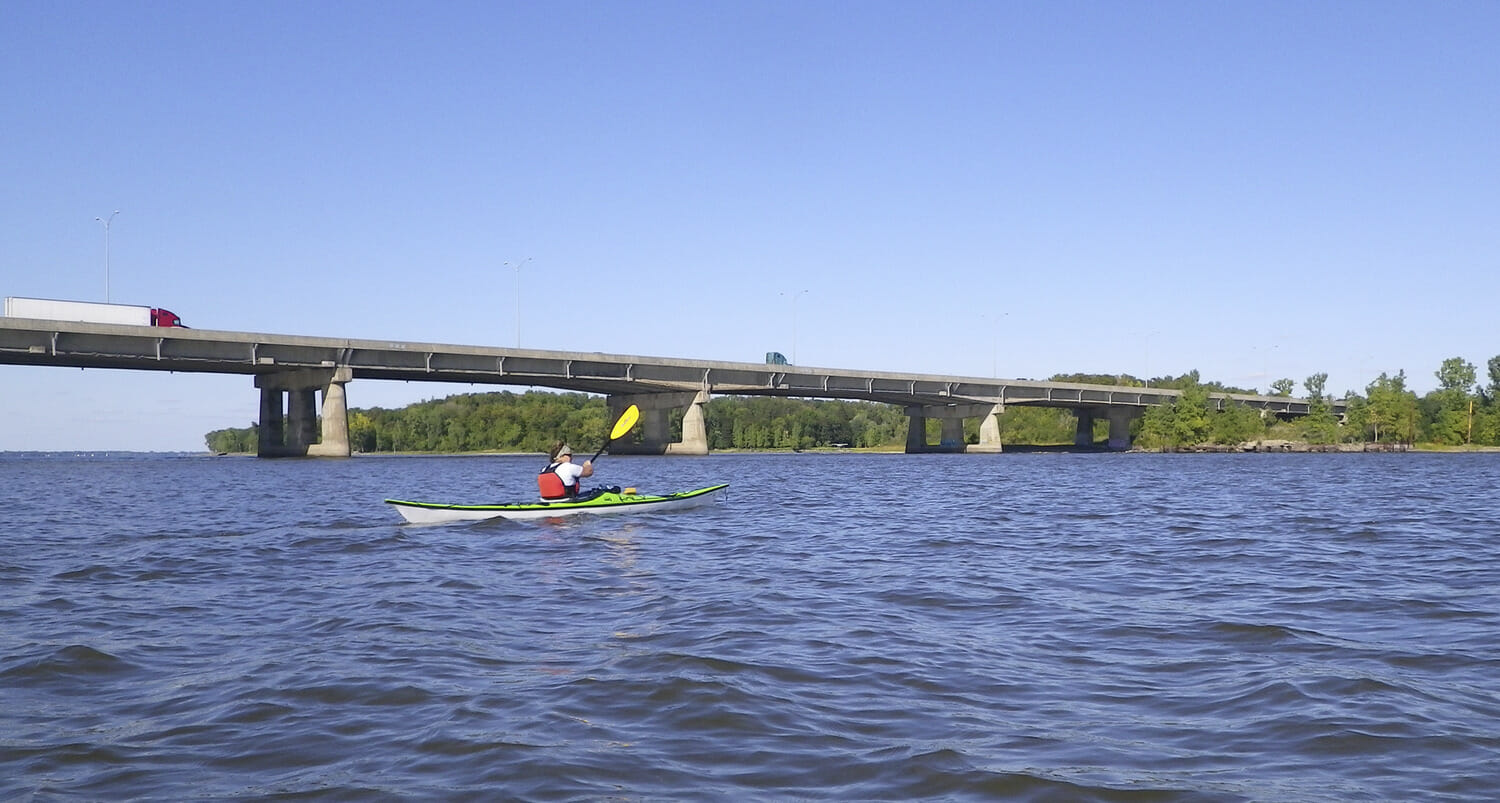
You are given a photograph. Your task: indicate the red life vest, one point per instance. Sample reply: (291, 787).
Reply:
(551, 485)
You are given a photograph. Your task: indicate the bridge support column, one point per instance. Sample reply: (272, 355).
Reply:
(916, 431)
(952, 437)
(655, 432)
(1119, 427)
(335, 430)
(694, 431)
(989, 432)
(1083, 436)
(302, 419)
(296, 432)
(269, 433)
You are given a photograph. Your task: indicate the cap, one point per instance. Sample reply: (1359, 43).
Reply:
(565, 450)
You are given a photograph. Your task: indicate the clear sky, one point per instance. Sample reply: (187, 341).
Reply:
(1252, 190)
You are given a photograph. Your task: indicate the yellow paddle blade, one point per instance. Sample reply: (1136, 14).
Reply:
(627, 420)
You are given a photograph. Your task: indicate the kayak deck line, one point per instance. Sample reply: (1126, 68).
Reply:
(609, 502)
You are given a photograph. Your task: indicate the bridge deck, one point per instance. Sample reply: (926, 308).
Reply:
(89, 345)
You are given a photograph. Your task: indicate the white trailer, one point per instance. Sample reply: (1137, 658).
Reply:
(89, 312)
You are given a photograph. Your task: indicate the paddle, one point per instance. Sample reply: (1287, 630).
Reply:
(622, 426)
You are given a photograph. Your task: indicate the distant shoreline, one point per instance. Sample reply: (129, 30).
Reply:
(1263, 447)
(1266, 447)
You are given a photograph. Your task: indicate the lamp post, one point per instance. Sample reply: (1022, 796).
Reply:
(517, 266)
(106, 222)
(995, 341)
(794, 321)
(1146, 336)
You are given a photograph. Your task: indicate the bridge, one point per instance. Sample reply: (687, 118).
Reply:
(291, 372)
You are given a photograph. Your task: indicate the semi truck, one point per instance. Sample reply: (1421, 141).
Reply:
(89, 312)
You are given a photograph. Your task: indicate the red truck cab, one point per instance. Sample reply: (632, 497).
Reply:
(166, 317)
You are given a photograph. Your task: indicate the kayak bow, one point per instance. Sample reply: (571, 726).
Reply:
(604, 504)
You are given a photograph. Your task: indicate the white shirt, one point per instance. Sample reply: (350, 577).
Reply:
(570, 472)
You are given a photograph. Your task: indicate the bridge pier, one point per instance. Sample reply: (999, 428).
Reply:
(1083, 436)
(952, 437)
(1119, 426)
(272, 423)
(694, 430)
(655, 432)
(1120, 419)
(288, 413)
(989, 432)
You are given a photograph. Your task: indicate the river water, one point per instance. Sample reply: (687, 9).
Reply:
(1031, 626)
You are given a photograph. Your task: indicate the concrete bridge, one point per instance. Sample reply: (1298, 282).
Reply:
(291, 373)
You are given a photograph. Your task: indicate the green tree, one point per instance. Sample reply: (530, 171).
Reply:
(1457, 375)
(362, 437)
(1356, 417)
(1041, 426)
(1319, 425)
(1487, 425)
(1194, 418)
(1392, 409)
(234, 441)
(1315, 385)
(1447, 410)
(1157, 428)
(1283, 387)
(1187, 421)
(1237, 423)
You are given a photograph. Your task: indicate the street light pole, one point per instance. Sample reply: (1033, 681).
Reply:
(995, 341)
(106, 223)
(1147, 338)
(517, 266)
(794, 321)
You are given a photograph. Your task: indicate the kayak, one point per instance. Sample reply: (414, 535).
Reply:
(605, 503)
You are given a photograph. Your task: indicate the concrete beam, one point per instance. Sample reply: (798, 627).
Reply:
(303, 378)
(946, 411)
(653, 401)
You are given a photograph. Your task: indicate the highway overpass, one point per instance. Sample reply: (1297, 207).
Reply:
(292, 371)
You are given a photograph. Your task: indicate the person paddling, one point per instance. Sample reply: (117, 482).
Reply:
(559, 480)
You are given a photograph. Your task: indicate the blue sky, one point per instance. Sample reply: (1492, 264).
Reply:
(1252, 190)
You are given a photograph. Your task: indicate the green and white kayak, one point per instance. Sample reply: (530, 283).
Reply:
(606, 503)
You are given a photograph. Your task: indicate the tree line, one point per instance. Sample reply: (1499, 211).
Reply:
(1461, 411)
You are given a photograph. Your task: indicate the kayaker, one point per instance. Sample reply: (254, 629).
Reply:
(559, 480)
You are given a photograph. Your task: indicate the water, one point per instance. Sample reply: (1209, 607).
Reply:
(1049, 627)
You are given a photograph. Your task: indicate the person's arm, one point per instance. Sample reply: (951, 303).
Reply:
(588, 469)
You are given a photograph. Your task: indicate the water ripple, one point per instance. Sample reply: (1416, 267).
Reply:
(1033, 627)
